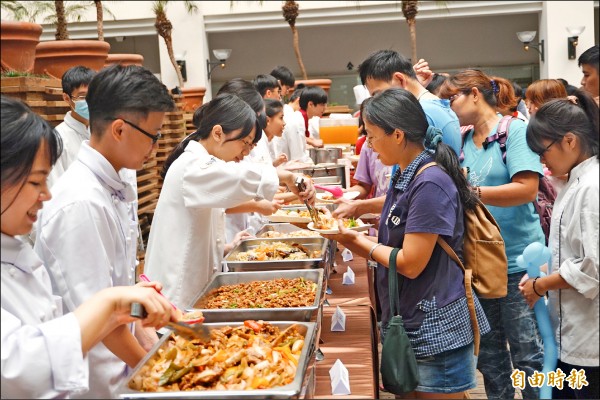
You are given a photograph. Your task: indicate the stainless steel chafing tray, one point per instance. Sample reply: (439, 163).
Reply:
(288, 228)
(311, 243)
(266, 314)
(292, 390)
(282, 228)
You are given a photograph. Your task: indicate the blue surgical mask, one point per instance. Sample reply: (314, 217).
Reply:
(81, 108)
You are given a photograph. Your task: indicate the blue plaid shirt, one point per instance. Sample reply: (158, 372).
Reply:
(401, 179)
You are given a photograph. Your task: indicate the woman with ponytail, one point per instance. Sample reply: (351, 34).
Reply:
(565, 134)
(202, 177)
(508, 188)
(422, 204)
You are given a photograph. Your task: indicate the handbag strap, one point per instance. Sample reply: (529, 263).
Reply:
(393, 280)
(468, 292)
(468, 279)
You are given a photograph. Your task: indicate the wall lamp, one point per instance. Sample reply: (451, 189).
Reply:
(572, 41)
(220, 54)
(526, 37)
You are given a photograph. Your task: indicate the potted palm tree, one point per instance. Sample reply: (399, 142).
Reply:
(55, 57)
(192, 96)
(19, 37)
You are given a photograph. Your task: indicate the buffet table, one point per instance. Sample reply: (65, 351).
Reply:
(356, 347)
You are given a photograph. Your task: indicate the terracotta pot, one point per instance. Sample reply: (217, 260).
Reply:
(324, 83)
(124, 59)
(56, 57)
(19, 40)
(192, 98)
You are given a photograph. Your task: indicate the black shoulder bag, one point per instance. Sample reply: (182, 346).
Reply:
(399, 370)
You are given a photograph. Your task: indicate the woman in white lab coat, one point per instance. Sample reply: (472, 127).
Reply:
(187, 236)
(43, 351)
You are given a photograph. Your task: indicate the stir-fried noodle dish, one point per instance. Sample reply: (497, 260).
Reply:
(256, 355)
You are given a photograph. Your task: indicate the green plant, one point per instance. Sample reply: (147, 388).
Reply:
(58, 13)
(290, 10)
(290, 14)
(16, 74)
(164, 28)
(28, 11)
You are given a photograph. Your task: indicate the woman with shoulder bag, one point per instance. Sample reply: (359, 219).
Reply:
(421, 205)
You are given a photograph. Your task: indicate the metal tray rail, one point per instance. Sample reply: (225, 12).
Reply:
(289, 228)
(266, 314)
(290, 391)
(311, 243)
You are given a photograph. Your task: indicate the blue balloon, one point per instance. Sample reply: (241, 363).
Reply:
(534, 256)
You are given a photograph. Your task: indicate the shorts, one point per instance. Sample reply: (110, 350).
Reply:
(452, 371)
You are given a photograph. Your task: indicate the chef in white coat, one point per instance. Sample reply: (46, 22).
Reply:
(87, 235)
(187, 236)
(43, 351)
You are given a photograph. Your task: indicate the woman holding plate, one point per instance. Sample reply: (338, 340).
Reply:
(422, 204)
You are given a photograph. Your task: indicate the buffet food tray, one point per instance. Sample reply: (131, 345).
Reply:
(292, 390)
(311, 243)
(266, 314)
(282, 228)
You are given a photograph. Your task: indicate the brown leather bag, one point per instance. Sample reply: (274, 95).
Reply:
(483, 251)
(486, 265)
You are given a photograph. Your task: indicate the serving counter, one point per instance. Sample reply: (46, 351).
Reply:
(356, 347)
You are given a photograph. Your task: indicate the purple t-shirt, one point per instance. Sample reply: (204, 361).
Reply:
(371, 171)
(430, 204)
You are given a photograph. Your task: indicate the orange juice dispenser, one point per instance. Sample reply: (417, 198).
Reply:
(335, 131)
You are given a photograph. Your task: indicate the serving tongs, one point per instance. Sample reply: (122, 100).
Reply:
(194, 330)
(314, 214)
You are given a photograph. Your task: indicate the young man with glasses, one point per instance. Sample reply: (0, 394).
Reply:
(87, 233)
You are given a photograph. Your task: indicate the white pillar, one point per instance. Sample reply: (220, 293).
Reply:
(555, 17)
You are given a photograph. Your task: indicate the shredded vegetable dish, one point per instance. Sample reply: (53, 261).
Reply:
(255, 355)
(298, 233)
(277, 251)
(326, 223)
(275, 293)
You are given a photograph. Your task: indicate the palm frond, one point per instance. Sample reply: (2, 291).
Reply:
(191, 7)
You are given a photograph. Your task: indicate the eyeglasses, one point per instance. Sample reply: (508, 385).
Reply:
(454, 97)
(541, 153)
(78, 98)
(370, 141)
(249, 146)
(153, 137)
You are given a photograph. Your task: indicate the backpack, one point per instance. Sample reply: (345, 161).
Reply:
(485, 263)
(546, 193)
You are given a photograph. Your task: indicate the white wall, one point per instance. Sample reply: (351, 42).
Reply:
(555, 17)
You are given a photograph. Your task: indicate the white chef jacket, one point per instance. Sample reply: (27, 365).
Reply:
(41, 348)
(574, 312)
(187, 236)
(87, 240)
(293, 140)
(72, 133)
(238, 222)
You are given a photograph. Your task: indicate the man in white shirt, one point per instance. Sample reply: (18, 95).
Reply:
(87, 234)
(74, 128)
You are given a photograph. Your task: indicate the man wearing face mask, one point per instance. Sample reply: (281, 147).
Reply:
(75, 127)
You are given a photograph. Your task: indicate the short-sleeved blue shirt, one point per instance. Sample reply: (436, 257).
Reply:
(519, 225)
(440, 115)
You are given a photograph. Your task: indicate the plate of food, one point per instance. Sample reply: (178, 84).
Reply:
(328, 197)
(330, 225)
(293, 215)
